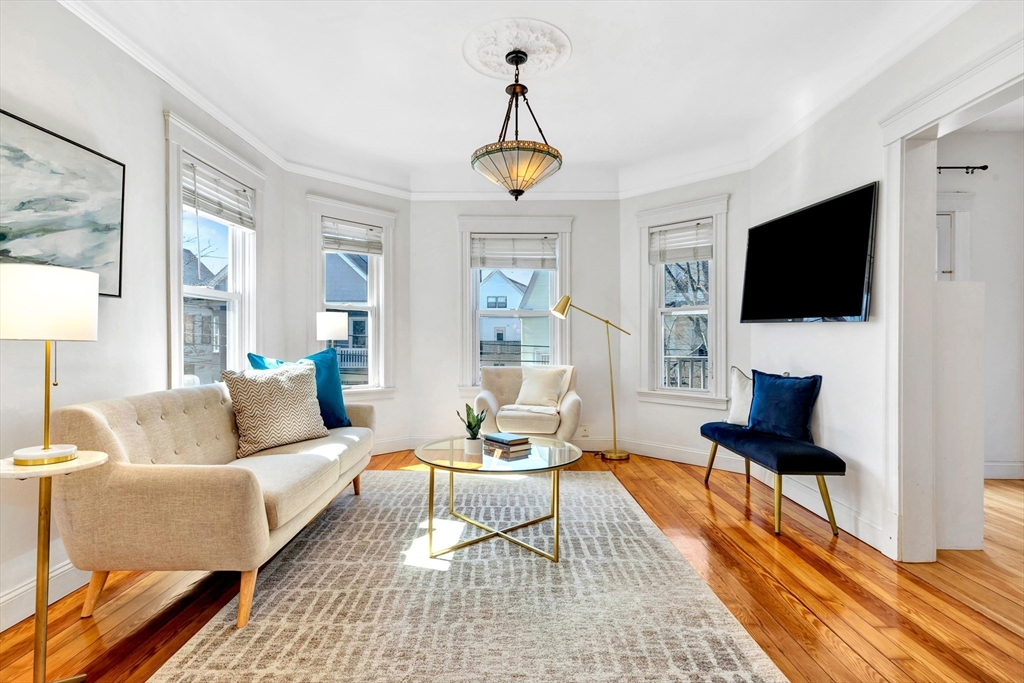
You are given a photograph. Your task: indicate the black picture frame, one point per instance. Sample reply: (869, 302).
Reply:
(27, 214)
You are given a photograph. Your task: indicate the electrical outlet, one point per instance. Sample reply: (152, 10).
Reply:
(584, 431)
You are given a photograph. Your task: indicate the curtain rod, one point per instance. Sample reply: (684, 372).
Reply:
(966, 169)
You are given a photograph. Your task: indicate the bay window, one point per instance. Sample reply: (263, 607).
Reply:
(350, 257)
(683, 339)
(352, 275)
(216, 226)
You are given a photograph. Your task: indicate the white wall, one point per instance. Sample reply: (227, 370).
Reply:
(997, 259)
(60, 74)
(841, 151)
(959, 416)
(299, 293)
(434, 322)
(670, 431)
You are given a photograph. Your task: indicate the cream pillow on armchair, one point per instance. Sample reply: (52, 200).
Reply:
(541, 386)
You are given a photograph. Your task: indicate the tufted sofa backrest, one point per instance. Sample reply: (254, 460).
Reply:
(505, 382)
(191, 426)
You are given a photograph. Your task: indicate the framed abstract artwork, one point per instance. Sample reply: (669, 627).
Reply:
(61, 204)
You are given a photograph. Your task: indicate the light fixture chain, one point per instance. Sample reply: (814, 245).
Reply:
(534, 117)
(516, 98)
(508, 115)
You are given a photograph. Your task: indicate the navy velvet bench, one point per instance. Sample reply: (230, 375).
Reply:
(778, 454)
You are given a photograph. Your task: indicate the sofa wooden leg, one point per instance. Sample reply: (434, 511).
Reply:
(828, 504)
(245, 597)
(778, 504)
(746, 465)
(711, 461)
(355, 485)
(92, 594)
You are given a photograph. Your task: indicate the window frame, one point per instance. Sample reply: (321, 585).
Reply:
(380, 318)
(651, 345)
(243, 245)
(469, 380)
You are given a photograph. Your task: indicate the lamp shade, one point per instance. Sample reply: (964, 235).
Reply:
(48, 303)
(561, 309)
(516, 165)
(331, 325)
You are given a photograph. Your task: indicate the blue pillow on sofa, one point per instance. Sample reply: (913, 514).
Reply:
(783, 405)
(328, 384)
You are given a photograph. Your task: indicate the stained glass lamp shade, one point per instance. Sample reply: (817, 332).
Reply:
(517, 165)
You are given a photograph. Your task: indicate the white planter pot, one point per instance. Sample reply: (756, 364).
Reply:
(473, 446)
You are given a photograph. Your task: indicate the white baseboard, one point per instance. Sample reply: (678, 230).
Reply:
(1004, 470)
(20, 602)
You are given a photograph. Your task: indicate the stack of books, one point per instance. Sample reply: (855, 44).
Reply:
(506, 446)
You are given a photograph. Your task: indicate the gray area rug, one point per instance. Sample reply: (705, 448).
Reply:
(354, 597)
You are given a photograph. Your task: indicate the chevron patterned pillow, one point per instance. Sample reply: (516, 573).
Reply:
(274, 407)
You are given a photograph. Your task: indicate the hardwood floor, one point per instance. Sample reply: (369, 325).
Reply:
(824, 609)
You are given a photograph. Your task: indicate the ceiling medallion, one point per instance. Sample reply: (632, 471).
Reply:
(516, 165)
(485, 48)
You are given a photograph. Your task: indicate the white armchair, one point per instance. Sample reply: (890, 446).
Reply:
(500, 388)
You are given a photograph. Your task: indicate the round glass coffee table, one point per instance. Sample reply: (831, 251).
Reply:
(545, 455)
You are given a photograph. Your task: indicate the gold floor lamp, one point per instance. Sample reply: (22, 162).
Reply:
(50, 304)
(561, 310)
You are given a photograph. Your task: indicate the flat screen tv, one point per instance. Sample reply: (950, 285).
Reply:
(813, 265)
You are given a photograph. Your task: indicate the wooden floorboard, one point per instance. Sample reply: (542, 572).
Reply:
(825, 609)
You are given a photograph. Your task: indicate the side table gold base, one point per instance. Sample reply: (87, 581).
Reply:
(492, 533)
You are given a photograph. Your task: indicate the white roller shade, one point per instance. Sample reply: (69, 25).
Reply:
(533, 252)
(354, 238)
(682, 242)
(214, 193)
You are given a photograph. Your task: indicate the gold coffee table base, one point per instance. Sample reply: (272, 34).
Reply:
(492, 533)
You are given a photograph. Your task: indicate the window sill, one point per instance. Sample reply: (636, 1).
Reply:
(368, 393)
(678, 398)
(468, 392)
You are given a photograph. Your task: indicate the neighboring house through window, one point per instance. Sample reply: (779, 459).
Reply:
(212, 229)
(513, 279)
(353, 274)
(683, 341)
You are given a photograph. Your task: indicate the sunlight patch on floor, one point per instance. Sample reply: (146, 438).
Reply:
(446, 533)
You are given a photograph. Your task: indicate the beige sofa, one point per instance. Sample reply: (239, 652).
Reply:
(174, 497)
(499, 386)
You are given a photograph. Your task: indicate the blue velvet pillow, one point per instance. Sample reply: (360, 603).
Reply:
(783, 405)
(328, 384)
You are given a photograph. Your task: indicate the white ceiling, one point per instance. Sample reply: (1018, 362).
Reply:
(654, 93)
(1006, 119)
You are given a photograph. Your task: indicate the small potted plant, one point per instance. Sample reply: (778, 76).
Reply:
(473, 421)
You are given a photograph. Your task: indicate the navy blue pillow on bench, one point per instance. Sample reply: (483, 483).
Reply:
(783, 405)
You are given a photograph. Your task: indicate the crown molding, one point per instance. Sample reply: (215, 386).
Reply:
(911, 43)
(492, 196)
(679, 181)
(647, 177)
(83, 11)
(348, 181)
(988, 76)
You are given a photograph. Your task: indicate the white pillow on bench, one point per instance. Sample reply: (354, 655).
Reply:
(741, 395)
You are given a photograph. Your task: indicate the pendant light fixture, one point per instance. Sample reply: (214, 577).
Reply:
(517, 165)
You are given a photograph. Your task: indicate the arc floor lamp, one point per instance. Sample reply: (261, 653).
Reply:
(561, 310)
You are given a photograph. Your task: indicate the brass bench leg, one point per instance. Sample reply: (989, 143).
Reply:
(746, 464)
(711, 461)
(778, 504)
(828, 504)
